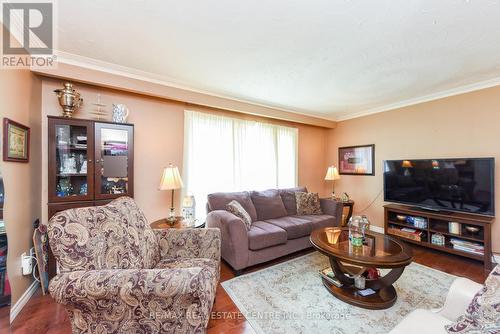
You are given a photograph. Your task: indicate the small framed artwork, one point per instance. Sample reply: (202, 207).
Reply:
(357, 160)
(16, 141)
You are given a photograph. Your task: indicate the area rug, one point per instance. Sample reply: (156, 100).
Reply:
(290, 298)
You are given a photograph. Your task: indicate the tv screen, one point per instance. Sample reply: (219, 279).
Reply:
(465, 185)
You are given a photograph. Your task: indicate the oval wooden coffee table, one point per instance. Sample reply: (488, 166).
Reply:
(347, 261)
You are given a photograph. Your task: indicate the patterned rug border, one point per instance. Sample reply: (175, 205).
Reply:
(255, 326)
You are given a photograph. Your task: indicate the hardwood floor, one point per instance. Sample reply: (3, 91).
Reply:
(43, 316)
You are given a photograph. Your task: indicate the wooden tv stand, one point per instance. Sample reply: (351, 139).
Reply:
(437, 223)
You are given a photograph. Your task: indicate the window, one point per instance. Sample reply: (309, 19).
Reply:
(229, 154)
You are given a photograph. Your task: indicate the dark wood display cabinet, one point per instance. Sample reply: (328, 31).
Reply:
(90, 163)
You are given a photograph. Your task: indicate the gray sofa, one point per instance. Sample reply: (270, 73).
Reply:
(276, 228)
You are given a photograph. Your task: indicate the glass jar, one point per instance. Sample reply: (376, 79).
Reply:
(358, 225)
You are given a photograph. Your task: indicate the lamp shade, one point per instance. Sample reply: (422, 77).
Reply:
(332, 174)
(171, 179)
(407, 164)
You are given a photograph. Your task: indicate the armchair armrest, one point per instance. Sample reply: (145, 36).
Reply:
(461, 293)
(189, 243)
(333, 208)
(234, 235)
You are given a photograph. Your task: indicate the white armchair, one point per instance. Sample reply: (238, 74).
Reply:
(433, 321)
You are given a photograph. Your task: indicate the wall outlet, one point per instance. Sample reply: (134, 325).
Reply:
(27, 264)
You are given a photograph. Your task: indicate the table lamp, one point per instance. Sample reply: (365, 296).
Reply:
(171, 180)
(332, 174)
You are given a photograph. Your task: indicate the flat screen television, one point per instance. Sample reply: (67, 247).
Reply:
(465, 185)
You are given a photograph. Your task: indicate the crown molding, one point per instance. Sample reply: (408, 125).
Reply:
(124, 71)
(127, 72)
(426, 98)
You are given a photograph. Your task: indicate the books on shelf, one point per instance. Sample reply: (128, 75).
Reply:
(408, 233)
(467, 246)
(329, 276)
(418, 222)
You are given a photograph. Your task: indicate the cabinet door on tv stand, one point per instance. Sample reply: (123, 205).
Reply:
(114, 154)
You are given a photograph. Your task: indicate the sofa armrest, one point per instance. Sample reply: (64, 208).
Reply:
(333, 208)
(461, 293)
(189, 243)
(234, 235)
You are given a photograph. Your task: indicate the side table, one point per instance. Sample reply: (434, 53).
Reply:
(348, 204)
(180, 223)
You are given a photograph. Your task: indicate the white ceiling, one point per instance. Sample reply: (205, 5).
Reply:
(330, 58)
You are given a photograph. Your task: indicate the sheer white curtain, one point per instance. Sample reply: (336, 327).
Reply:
(228, 154)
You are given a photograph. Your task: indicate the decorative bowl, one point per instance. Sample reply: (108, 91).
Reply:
(401, 217)
(472, 229)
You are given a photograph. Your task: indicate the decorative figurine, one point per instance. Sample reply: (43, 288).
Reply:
(69, 99)
(98, 112)
(188, 207)
(83, 189)
(120, 113)
(64, 188)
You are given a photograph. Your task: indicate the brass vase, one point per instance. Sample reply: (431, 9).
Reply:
(69, 99)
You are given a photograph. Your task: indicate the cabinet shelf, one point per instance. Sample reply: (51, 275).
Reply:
(70, 148)
(446, 248)
(469, 236)
(438, 223)
(403, 224)
(71, 174)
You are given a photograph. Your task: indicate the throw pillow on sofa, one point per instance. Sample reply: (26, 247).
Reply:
(308, 204)
(236, 209)
(483, 313)
(268, 204)
(288, 198)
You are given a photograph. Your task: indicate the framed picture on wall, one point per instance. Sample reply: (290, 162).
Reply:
(357, 160)
(16, 141)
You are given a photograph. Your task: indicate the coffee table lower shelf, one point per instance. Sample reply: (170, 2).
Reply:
(382, 299)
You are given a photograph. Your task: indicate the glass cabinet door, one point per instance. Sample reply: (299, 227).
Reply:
(70, 166)
(114, 160)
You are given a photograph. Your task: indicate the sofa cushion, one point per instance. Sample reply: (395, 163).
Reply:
(482, 315)
(320, 221)
(268, 204)
(288, 198)
(308, 203)
(236, 209)
(263, 235)
(218, 201)
(295, 227)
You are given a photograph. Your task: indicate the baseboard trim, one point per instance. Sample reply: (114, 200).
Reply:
(18, 306)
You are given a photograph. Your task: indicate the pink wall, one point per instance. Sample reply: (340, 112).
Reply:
(20, 101)
(466, 125)
(159, 136)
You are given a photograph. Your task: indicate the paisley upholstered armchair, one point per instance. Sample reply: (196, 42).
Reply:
(117, 275)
